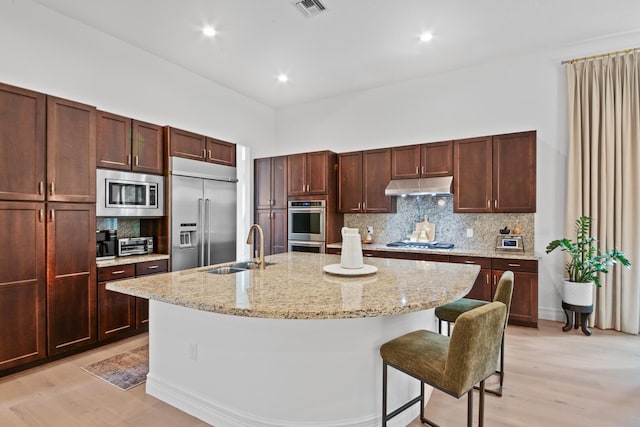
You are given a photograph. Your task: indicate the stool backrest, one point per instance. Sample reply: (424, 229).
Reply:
(474, 347)
(504, 291)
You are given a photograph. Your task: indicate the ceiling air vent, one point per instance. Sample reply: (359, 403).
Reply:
(310, 7)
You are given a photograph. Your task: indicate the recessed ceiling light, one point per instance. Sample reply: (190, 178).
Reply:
(283, 78)
(426, 36)
(209, 31)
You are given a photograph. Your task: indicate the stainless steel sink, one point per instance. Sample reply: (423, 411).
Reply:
(238, 267)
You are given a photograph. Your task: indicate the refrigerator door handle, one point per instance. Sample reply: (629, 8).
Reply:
(201, 235)
(207, 213)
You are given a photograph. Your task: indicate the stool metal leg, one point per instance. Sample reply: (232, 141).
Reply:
(481, 406)
(470, 408)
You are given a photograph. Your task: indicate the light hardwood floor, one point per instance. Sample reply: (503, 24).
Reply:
(552, 379)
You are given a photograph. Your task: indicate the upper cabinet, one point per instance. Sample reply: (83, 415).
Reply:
(199, 147)
(422, 161)
(362, 179)
(22, 144)
(271, 183)
(495, 173)
(308, 173)
(71, 151)
(127, 144)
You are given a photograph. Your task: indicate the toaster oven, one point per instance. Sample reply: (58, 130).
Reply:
(135, 246)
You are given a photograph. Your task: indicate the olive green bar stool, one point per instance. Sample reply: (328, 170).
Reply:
(450, 364)
(450, 312)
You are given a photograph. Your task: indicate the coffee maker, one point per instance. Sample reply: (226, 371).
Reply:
(106, 244)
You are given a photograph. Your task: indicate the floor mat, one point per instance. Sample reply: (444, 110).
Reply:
(125, 370)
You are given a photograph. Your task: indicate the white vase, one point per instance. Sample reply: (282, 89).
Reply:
(577, 293)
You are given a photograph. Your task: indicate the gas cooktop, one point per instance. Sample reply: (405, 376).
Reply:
(420, 245)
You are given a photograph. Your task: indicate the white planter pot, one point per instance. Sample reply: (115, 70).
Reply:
(577, 293)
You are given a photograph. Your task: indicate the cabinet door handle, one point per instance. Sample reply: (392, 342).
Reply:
(466, 261)
(152, 267)
(41, 215)
(40, 187)
(117, 272)
(136, 160)
(417, 170)
(204, 154)
(489, 204)
(210, 158)
(129, 159)
(52, 189)
(52, 215)
(364, 206)
(495, 203)
(422, 170)
(513, 265)
(486, 279)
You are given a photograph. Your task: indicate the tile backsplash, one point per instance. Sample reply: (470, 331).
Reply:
(127, 227)
(450, 227)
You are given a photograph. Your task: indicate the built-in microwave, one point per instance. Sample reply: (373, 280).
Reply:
(121, 194)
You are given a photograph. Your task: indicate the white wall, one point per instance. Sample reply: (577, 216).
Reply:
(514, 94)
(47, 52)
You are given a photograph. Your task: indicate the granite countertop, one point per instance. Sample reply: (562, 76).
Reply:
(131, 259)
(528, 255)
(295, 287)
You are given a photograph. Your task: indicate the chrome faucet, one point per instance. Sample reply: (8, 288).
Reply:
(250, 242)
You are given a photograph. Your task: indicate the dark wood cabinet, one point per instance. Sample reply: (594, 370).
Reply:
(71, 151)
(495, 173)
(71, 276)
(119, 314)
(22, 144)
(524, 302)
(423, 160)
(274, 226)
(147, 148)
(199, 147)
(221, 152)
(362, 179)
(514, 172)
(116, 311)
(113, 141)
(186, 144)
(270, 186)
(482, 287)
(22, 284)
(142, 304)
(308, 173)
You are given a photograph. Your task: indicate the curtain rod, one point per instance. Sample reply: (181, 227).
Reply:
(617, 52)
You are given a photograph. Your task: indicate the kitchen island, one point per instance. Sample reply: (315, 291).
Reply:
(289, 345)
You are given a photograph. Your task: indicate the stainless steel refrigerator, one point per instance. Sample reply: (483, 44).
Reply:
(203, 213)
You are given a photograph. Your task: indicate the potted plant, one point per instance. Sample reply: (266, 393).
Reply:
(586, 263)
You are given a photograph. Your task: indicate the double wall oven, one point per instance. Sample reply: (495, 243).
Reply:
(307, 220)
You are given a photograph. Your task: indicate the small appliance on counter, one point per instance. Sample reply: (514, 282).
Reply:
(106, 241)
(420, 245)
(509, 243)
(135, 246)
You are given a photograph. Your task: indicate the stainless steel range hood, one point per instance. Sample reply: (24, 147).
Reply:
(419, 186)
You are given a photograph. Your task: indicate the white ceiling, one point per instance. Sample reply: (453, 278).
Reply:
(353, 45)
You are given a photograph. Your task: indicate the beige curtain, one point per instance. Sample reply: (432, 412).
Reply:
(604, 175)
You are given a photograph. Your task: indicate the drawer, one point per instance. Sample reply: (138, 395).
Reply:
(433, 257)
(152, 267)
(523, 265)
(481, 261)
(398, 255)
(332, 251)
(116, 272)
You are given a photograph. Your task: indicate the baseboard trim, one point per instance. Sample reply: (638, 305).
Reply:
(216, 414)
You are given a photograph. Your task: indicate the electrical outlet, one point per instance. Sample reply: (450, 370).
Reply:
(193, 351)
(469, 232)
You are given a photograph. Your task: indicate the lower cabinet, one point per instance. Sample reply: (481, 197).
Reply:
(23, 328)
(71, 276)
(524, 303)
(274, 226)
(120, 314)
